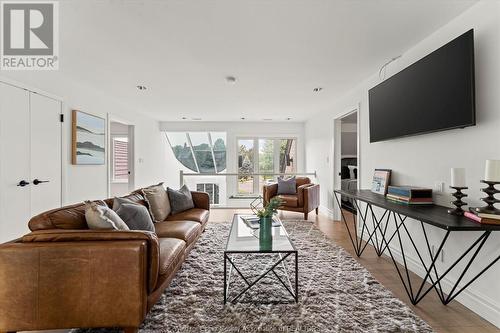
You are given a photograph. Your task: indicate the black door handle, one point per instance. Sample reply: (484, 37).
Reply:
(36, 181)
(23, 183)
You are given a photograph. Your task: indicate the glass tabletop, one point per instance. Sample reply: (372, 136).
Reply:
(243, 238)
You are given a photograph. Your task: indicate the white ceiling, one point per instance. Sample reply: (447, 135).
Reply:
(278, 50)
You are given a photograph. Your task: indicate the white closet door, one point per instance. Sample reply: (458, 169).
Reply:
(14, 162)
(45, 153)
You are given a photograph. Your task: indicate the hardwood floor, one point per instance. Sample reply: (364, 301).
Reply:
(454, 317)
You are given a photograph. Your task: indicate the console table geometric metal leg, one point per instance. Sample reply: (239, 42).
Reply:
(431, 273)
(293, 290)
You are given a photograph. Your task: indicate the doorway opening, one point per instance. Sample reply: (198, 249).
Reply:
(121, 158)
(346, 158)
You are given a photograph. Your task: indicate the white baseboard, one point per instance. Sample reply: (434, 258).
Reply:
(481, 304)
(326, 211)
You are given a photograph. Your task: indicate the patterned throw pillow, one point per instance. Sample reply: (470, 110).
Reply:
(135, 216)
(180, 200)
(102, 217)
(158, 203)
(287, 186)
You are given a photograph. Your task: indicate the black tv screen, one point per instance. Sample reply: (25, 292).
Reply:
(433, 94)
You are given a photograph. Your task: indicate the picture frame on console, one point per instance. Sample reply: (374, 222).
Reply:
(381, 181)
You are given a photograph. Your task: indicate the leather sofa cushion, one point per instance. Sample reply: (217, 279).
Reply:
(185, 230)
(289, 200)
(171, 252)
(193, 214)
(68, 217)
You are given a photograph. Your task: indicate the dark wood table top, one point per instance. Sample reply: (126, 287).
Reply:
(432, 214)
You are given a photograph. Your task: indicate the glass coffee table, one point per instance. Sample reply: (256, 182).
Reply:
(244, 242)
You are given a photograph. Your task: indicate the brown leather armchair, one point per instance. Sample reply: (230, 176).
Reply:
(305, 200)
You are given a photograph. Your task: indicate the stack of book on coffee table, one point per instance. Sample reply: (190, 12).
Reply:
(482, 218)
(410, 195)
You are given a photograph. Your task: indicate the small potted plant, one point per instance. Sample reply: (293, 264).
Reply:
(266, 222)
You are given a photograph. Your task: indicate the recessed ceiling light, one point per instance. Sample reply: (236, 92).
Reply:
(317, 89)
(288, 118)
(230, 79)
(141, 87)
(184, 118)
(243, 118)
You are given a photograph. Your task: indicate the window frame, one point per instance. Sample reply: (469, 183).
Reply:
(113, 179)
(256, 148)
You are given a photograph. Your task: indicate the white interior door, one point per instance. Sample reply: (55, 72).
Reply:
(45, 153)
(14, 162)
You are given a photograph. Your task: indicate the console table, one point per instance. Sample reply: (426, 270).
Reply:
(430, 214)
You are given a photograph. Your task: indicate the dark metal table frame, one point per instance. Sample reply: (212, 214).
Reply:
(282, 255)
(399, 215)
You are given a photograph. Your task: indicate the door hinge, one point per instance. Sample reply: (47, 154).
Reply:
(61, 118)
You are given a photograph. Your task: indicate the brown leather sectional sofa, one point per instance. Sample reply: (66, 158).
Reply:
(63, 275)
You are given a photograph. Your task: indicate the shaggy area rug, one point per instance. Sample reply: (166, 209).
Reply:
(336, 294)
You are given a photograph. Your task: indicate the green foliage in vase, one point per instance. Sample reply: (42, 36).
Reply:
(270, 208)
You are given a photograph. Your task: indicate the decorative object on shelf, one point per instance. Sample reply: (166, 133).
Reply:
(458, 178)
(491, 178)
(381, 181)
(458, 202)
(265, 215)
(490, 200)
(88, 139)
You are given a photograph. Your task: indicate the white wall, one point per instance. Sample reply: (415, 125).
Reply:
(422, 160)
(83, 182)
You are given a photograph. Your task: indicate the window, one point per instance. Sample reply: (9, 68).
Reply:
(212, 190)
(120, 159)
(201, 152)
(263, 155)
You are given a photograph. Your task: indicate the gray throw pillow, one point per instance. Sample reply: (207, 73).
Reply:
(180, 200)
(135, 216)
(287, 186)
(102, 217)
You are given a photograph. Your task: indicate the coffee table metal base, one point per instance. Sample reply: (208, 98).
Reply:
(292, 289)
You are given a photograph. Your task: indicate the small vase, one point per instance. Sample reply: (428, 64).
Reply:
(266, 233)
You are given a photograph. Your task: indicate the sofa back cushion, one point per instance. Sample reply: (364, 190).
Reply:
(72, 216)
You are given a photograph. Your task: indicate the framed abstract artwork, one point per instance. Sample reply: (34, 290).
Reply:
(88, 139)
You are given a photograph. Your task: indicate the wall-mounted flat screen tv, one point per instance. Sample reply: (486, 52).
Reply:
(433, 94)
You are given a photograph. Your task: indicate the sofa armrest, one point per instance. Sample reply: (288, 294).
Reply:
(201, 200)
(59, 235)
(48, 285)
(300, 194)
(311, 197)
(269, 191)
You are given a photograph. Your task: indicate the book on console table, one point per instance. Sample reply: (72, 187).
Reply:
(472, 215)
(410, 192)
(410, 201)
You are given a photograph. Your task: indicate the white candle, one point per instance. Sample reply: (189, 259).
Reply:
(492, 171)
(458, 177)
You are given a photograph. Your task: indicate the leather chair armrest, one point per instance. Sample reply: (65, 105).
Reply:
(311, 197)
(269, 191)
(201, 200)
(45, 285)
(300, 194)
(60, 235)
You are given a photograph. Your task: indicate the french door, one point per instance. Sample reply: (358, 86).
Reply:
(263, 155)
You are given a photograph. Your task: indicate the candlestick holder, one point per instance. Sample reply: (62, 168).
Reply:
(490, 200)
(458, 202)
